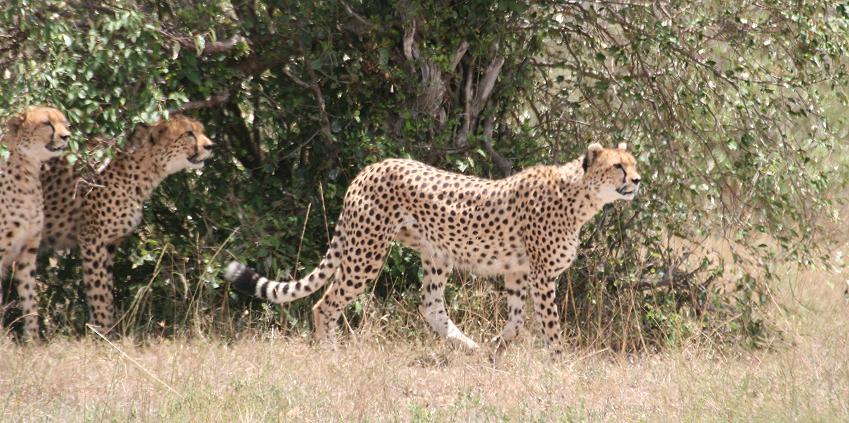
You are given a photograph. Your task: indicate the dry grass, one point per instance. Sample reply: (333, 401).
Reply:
(805, 376)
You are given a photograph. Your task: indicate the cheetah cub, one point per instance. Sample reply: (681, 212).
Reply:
(97, 215)
(32, 138)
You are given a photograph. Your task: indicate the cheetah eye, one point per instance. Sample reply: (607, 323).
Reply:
(619, 166)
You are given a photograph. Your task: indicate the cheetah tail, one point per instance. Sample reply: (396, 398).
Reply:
(247, 281)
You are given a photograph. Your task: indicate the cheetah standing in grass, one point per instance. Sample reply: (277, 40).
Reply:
(97, 215)
(33, 137)
(524, 227)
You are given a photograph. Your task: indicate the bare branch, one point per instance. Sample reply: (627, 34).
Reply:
(485, 87)
(356, 15)
(458, 55)
(503, 164)
(322, 110)
(211, 101)
(223, 46)
(469, 115)
(475, 100)
(410, 50)
(294, 78)
(213, 47)
(256, 64)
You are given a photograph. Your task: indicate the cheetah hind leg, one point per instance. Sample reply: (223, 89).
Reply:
(350, 280)
(436, 269)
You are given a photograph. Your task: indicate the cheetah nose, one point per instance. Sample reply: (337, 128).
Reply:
(635, 180)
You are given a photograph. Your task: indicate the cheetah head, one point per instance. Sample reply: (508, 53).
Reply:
(40, 133)
(177, 143)
(612, 172)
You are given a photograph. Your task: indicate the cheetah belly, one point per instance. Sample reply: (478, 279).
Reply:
(481, 255)
(496, 265)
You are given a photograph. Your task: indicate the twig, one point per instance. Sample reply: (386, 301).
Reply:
(313, 85)
(324, 212)
(301, 241)
(136, 363)
(355, 15)
(294, 78)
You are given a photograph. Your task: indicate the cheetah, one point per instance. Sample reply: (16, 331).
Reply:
(524, 227)
(97, 214)
(32, 138)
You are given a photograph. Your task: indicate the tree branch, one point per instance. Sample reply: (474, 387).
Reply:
(214, 47)
(355, 15)
(256, 64)
(410, 50)
(319, 98)
(285, 70)
(223, 46)
(503, 164)
(485, 87)
(252, 157)
(458, 55)
(211, 101)
(475, 99)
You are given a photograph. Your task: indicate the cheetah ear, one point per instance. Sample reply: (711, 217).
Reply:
(13, 125)
(139, 137)
(592, 154)
(156, 132)
(622, 146)
(140, 132)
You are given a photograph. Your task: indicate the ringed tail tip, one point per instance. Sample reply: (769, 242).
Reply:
(243, 278)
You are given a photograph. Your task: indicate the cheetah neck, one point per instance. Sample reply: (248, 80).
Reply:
(574, 185)
(587, 203)
(140, 169)
(21, 166)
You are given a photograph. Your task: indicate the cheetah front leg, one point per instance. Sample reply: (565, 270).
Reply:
(29, 287)
(436, 269)
(97, 276)
(542, 291)
(515, 284)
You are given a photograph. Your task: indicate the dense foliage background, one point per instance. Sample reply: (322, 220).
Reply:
(733, 108)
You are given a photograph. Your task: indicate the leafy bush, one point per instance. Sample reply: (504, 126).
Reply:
(732, 108)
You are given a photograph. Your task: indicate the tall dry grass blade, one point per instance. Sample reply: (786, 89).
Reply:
(301, 242)
(136, 363)
(136, 306)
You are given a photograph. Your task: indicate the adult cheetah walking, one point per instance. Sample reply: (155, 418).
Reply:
(524, 227)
